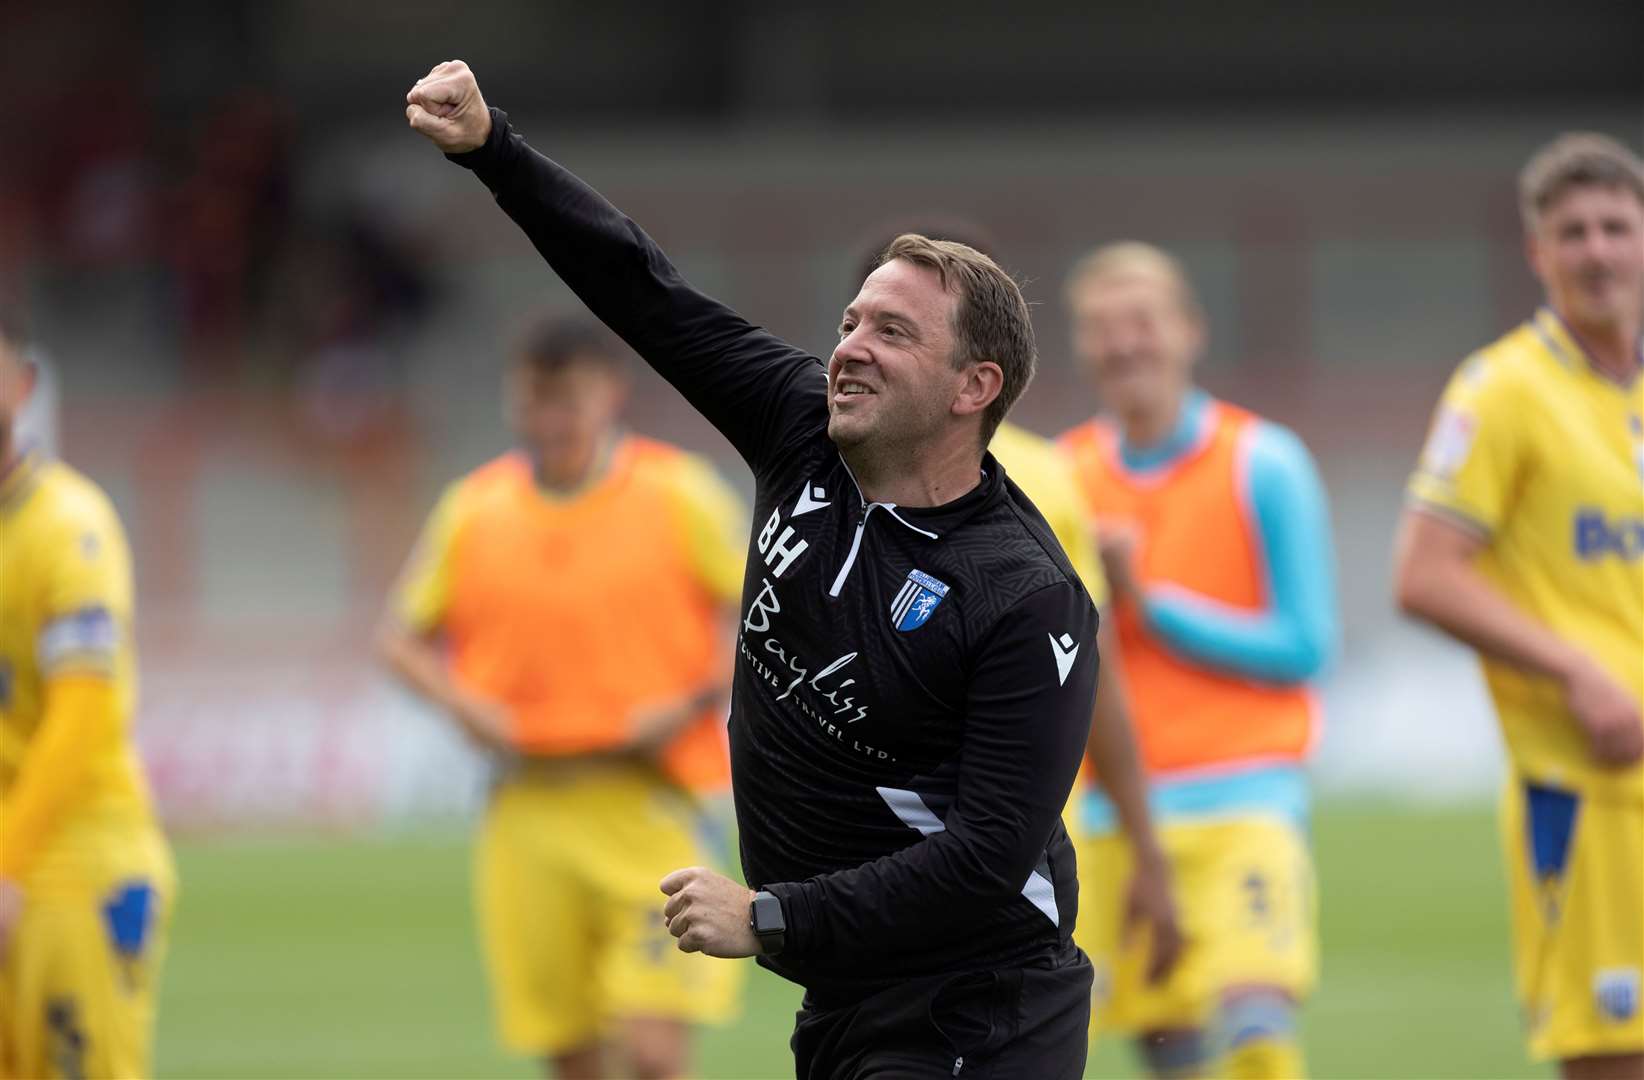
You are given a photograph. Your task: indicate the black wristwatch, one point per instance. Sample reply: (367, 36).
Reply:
(765, 916)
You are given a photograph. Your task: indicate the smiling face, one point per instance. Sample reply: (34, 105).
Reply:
(1587, 248)
(1137, 338)
(891, 380)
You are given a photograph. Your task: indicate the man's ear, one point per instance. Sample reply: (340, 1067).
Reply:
(22, 369)
(1532, 254)
(982, 383)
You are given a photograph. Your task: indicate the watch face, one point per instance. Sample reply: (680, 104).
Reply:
(767, 915)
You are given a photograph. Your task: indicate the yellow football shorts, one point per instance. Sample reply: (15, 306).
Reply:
(80, 980)
(566, 873)
(1575, 877)
(1246, 897)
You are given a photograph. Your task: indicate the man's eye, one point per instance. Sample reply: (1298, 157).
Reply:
(892, 331)
(845, 328)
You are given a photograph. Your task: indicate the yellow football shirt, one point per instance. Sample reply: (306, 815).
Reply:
(66, 610)
(1047, 477)
(1543, 458)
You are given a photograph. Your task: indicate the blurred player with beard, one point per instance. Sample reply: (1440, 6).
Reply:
(1524, 538)
(86, 877)
(566, 606)
(1216, 539)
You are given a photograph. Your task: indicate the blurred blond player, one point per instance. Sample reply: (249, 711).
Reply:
(565, 606)
(1524, 538)
(1216, 539)
(86, 879)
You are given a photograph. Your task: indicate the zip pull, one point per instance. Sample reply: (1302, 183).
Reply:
(856, 545)
(958, 1063)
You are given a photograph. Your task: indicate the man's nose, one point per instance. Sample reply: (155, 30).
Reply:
(1126, 343)
(853, 349)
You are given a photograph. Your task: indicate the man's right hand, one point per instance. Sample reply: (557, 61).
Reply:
(1149, 903)
(446, 106)
(1118, 542)
(1607, 713)
(11, 913)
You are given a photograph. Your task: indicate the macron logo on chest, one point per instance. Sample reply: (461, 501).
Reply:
(1066, 650)
(811, 497)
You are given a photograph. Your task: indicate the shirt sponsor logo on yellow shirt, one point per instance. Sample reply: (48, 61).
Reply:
(1598, 536)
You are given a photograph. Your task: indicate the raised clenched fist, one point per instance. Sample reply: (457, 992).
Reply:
(446, 106)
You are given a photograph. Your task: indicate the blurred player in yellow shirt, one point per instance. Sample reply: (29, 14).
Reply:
(86, 879)
(566, 605)
(1524, 538)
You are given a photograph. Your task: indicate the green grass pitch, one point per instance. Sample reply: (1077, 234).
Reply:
(326, 957)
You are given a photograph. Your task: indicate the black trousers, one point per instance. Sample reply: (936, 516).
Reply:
(1009, 1024)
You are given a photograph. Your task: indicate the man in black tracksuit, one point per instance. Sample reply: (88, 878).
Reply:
(916, 658)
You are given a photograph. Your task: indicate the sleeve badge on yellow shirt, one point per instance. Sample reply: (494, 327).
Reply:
(1449, 443)
(88, 634)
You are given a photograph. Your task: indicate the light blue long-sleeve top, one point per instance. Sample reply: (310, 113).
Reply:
(1291, 640)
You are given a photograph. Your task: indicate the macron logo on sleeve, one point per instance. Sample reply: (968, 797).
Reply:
(1066, 650)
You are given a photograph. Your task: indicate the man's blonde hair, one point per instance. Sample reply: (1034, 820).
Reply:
(1576, 159)
(1130, 259)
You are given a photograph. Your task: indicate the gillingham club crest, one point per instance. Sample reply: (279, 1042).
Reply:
(919, 596)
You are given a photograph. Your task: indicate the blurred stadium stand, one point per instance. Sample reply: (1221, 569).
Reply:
(278, 318)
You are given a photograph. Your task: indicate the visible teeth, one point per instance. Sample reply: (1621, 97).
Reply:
(853, 389)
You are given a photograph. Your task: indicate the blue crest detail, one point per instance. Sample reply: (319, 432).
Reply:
(1552, 815)
(128, 912)
(917, 599)
(1616, 991)
(5, 682)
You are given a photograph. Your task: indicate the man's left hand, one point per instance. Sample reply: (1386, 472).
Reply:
(709, 913)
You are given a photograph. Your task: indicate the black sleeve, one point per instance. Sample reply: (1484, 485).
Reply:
(1025, 731)
(752, 386)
